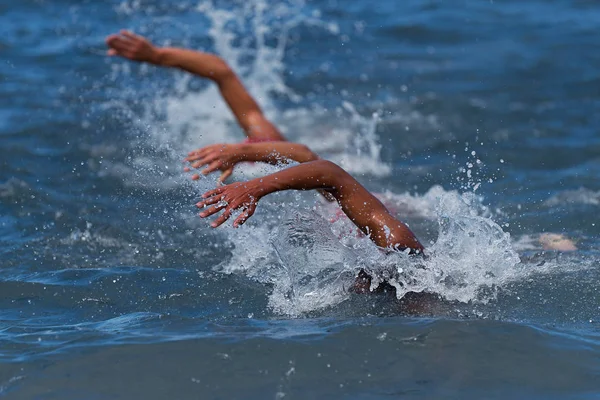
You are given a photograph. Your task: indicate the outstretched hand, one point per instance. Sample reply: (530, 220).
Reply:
(131, 46)
(237, 196)
(221, 157)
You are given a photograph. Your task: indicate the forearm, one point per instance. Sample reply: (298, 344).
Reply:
(275, 152)
(205, 65)
(367, 213)
(318, 174)
(363, 209)
(356, 201)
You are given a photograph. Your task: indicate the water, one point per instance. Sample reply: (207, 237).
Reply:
(474, 122)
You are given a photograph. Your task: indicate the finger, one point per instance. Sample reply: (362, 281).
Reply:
(113, 42)
(110, 37)
(195, 177)
(111, 52)
(222, 218)
(196, 154)
(119, 44)
(192, 158)
(213, 210)
(204, 161)
(131, 35)
(248, 212)
(210, 148)
(226, 174)
(208, 202)
(201, 150)
(121, 39)
(212, 167)
(214, 192)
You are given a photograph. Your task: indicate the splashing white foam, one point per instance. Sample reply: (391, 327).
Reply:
(252, 37)
(309, 261)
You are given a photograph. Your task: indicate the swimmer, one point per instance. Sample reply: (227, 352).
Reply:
(244, 107)
(367, 213)
(359, 205)
(556, 241)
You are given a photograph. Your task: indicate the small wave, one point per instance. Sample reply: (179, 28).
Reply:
(578, 196)
(173, 123)
(14, 189)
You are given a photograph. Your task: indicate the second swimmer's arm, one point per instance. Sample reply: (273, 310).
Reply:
(244, 107)
(223, 156)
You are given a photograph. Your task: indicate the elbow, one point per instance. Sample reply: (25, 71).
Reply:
(306, 154)
(325, 165)
(222, 72)
(332, 174)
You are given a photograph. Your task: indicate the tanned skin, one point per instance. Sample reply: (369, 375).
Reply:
(367, 213)
(246, 110)
(224, 157)
(361, 207)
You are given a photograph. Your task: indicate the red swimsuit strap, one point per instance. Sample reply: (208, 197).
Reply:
(259, 140)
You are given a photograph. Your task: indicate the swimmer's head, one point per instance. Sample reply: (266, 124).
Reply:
(555, 241)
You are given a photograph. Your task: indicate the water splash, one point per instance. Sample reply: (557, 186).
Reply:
(471, 252)
(364, 151)
(308, 260)
(311, 261)
(252, 37)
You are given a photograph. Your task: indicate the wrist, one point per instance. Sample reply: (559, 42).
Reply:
(157, 56)
(241, 152)
(263, 186)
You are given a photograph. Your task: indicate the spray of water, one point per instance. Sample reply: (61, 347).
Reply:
(292, 243)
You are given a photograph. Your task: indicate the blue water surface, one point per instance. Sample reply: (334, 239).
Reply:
(111, 287)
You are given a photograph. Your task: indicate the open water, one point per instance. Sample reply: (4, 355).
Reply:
(475, 121)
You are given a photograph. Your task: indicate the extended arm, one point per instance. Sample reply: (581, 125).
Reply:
(210, 66)
(224, 156)
(367, 213)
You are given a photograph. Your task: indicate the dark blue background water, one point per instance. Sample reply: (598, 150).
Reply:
(110, 286)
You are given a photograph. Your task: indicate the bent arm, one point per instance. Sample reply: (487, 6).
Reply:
(205, 65)
(363, 209)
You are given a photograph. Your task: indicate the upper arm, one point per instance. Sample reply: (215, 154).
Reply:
(242, 104)
(372, 217)
(246, 109)
(257, 126)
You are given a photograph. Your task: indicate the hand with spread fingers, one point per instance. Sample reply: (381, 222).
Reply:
(221, 157)
(237, 196)
(133, 47)
(205, 65)
(361, 207)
